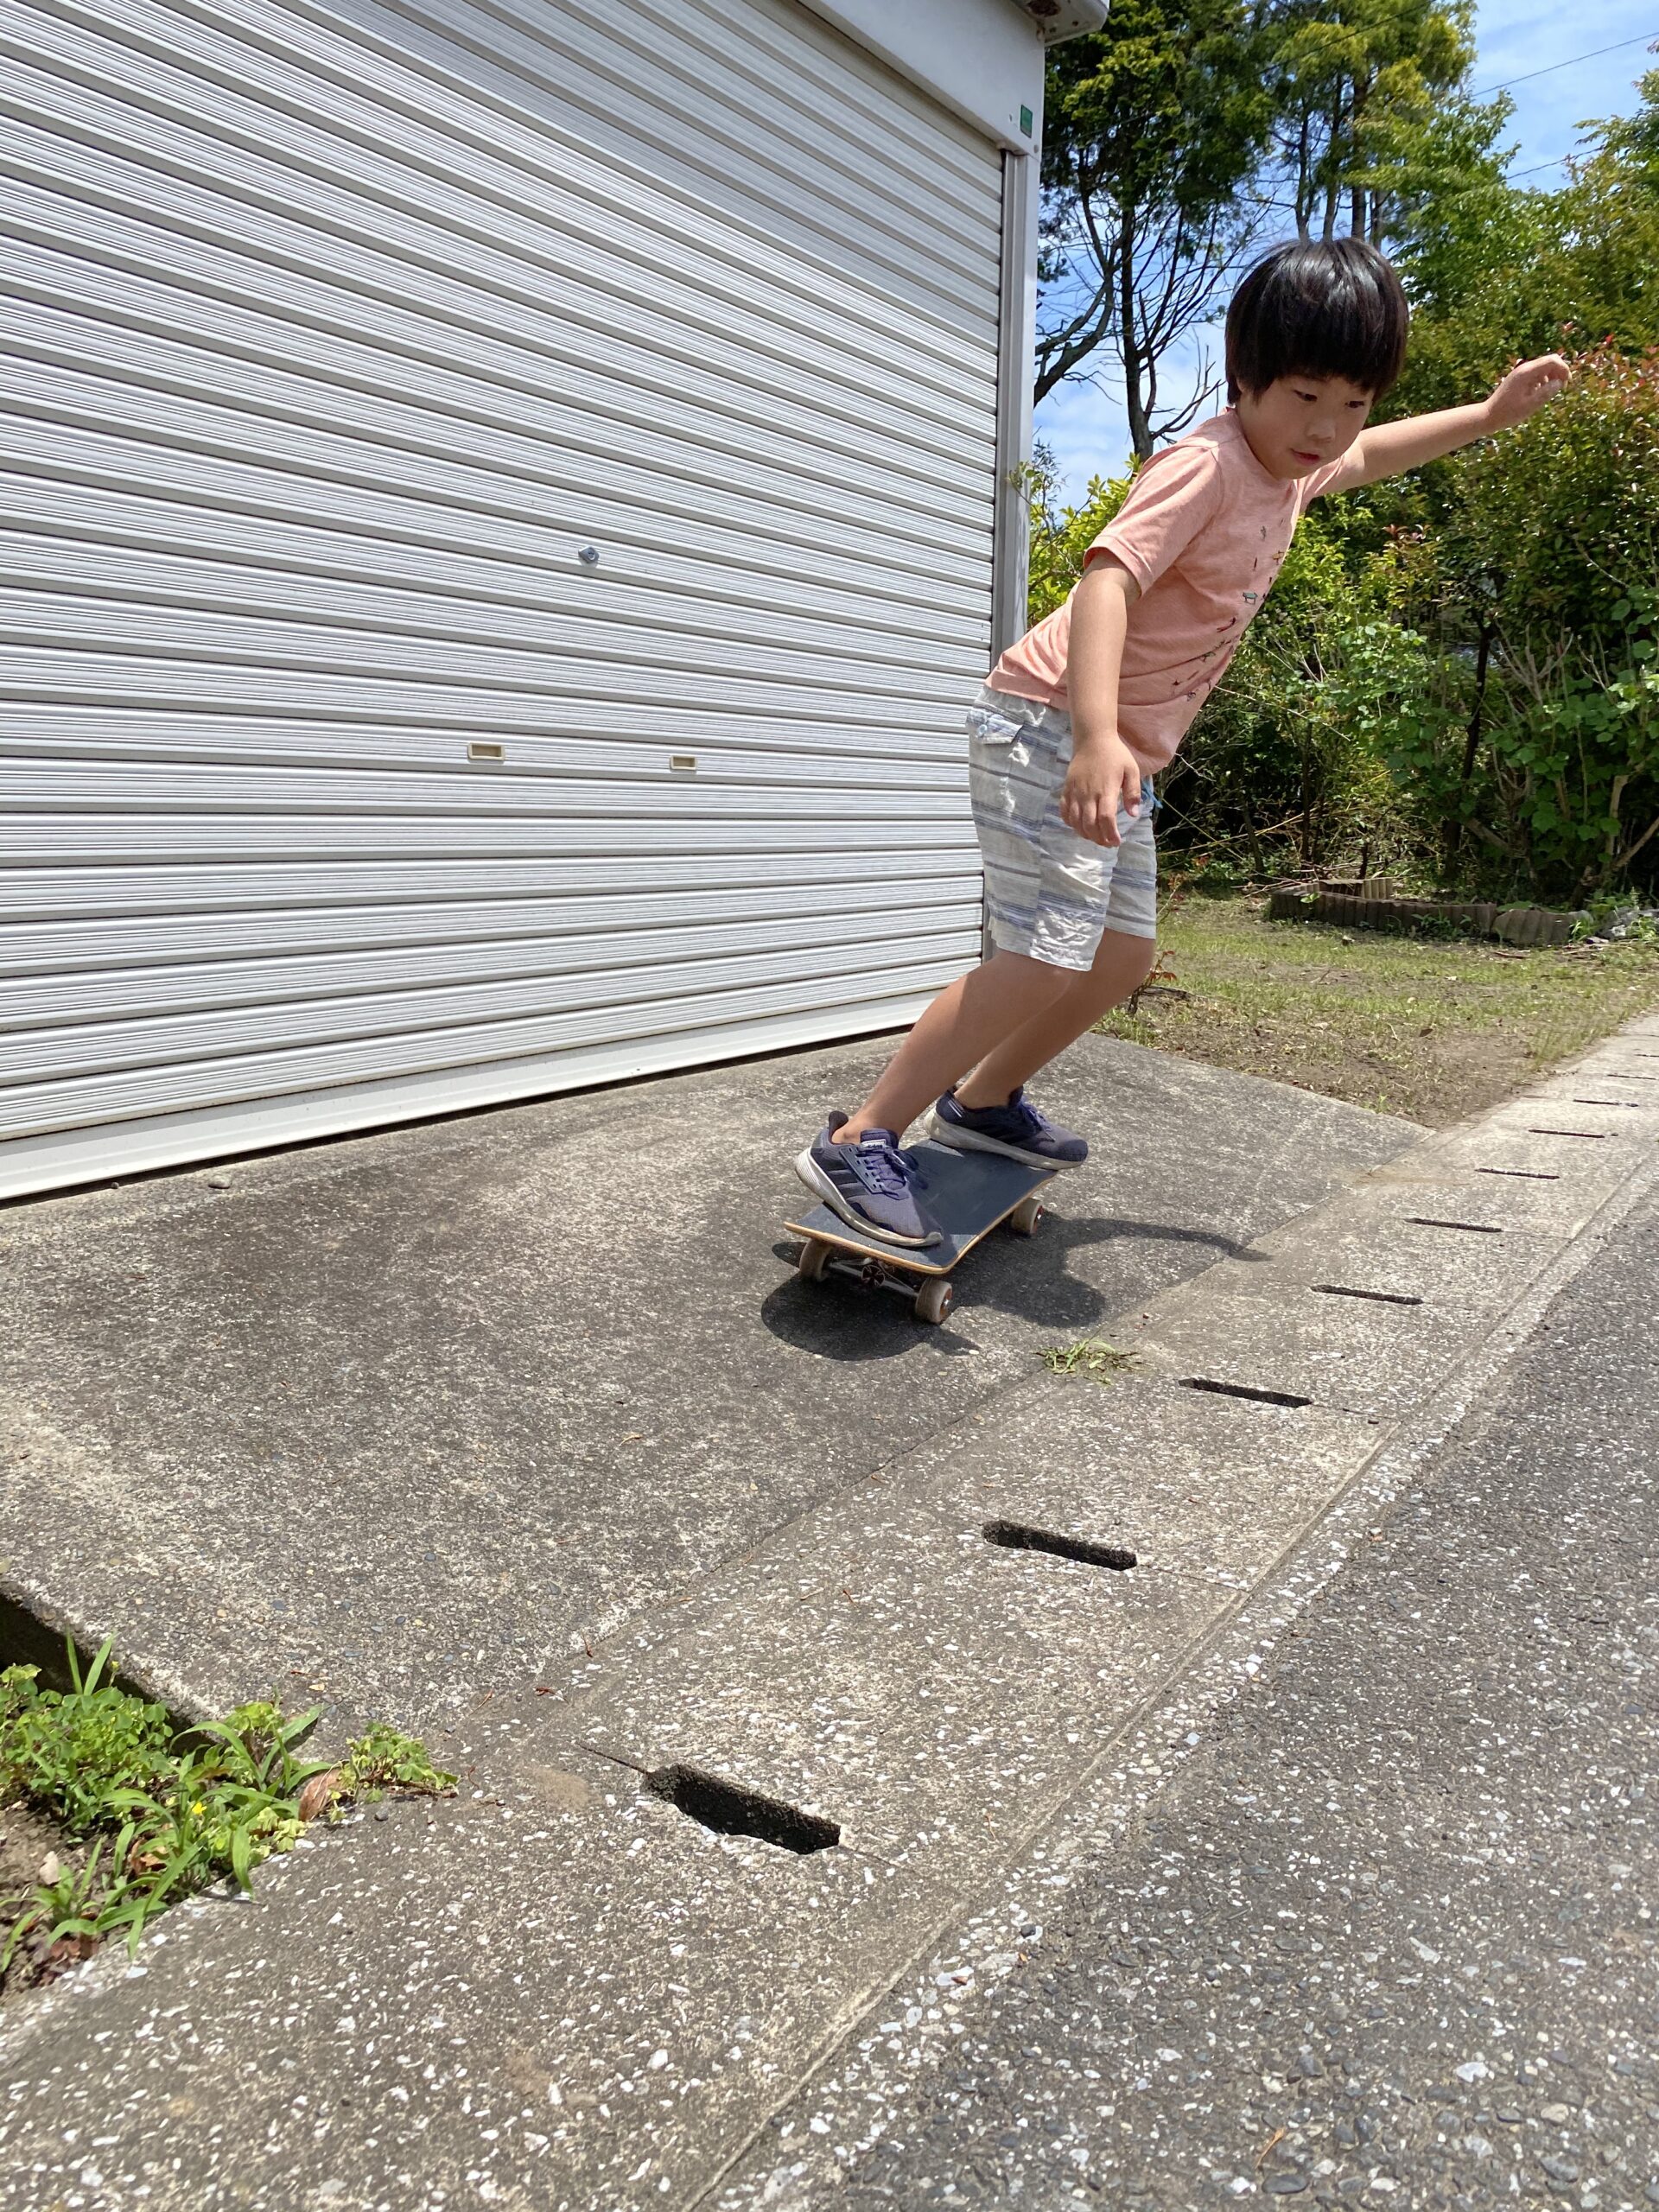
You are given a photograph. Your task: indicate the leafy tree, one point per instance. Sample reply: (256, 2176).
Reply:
(1370, 116)
(1496, 273)
(1174, 133)
(1155, 127)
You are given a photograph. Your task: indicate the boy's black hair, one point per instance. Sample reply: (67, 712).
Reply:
(1317, 308)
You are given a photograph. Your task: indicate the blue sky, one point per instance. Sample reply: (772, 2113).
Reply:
(1084, 427)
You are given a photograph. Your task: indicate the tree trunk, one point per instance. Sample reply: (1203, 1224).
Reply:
(1356, 227)
(1251, 832)
(1135, 399)
(1335, 163)
(1471, 744)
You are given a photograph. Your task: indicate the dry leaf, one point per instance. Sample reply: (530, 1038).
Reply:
(319, 1794)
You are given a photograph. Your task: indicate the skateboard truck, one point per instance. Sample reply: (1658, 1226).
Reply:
(930, 1296)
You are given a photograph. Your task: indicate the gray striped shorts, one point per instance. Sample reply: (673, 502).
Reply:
(1050, 894)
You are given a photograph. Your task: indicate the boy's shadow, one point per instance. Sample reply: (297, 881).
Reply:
(1027, 1277)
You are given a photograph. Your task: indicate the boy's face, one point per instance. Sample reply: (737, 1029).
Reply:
(1300, 423)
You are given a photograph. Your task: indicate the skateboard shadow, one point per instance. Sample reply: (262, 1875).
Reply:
(1030, 1279)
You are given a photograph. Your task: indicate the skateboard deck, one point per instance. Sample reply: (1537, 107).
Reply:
(967, 1193)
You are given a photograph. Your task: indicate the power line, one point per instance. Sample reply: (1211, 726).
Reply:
(1617, 47)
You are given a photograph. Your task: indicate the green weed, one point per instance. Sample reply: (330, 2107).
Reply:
(1092, 1356)
(67, 1753)
(383, 1759)
(166, 1815)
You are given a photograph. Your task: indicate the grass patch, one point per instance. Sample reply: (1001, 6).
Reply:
(136, 1815)
(1428, 1027)
(1093, 1356)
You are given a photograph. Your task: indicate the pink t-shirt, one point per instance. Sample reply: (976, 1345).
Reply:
(1202, 532)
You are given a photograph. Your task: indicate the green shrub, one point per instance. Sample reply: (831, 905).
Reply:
(1060, 535)
(1288, 762)
(1544, 574)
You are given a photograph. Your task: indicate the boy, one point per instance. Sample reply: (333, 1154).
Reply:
(1079, 716)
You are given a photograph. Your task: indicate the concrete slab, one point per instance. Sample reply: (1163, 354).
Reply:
(1596, 1090)
(882, 1664)
(1191, 1483)
(954, 1697)
(1440, 1243)
(1507, 1174)
(1261, 1334)
(1524, 1199)
(561, 2002)
(1435, 1225)
(1595, 1161)
(399, 1419)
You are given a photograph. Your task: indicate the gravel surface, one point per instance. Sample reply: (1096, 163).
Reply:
(1391, 1937)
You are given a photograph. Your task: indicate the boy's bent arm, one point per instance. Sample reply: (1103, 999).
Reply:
(1390, 448)
(1103, 773)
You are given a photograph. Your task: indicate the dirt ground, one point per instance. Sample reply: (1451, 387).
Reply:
(1434, 1029)
(29, 1840)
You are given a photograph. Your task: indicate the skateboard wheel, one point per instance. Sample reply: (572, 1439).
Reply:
(814, 1259)
(934, 1300)
(1025, 1215)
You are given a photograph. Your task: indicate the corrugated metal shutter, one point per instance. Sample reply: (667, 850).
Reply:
(337, 332)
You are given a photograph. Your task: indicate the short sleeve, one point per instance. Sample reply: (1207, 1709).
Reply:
(1173, 497)
(1309, 487)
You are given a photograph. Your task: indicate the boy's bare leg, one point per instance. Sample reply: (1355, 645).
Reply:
(1121, 965)
(966, 1021)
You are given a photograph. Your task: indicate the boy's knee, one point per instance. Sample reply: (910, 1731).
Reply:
(1048, 981)
(1032, 978)
(1123, 958)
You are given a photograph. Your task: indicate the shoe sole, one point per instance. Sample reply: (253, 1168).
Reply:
(817, 1181)
(961, 1140)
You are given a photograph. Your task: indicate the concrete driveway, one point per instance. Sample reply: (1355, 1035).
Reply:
(406, 1418)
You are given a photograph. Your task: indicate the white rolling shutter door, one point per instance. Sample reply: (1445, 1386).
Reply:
(337, 333)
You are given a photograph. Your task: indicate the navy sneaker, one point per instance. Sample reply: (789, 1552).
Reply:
(1018, 1131)
(871, 1184)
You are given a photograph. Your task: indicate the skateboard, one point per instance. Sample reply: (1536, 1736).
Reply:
(967, 1193)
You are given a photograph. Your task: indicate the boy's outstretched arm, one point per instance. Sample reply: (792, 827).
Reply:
(1389, 448)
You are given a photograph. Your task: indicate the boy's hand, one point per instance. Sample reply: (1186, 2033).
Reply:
(1526, 389)
(1102, 777)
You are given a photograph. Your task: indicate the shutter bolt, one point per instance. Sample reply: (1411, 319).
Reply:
(588, 555)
